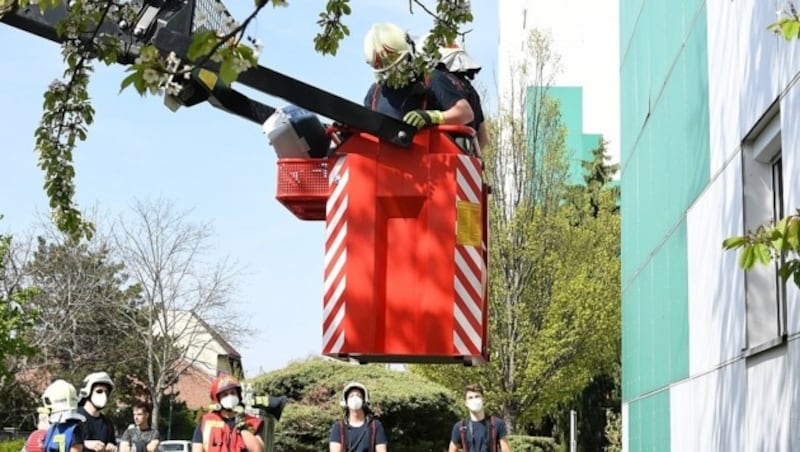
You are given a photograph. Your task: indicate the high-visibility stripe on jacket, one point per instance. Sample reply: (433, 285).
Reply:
(218, 436)
(60, 436)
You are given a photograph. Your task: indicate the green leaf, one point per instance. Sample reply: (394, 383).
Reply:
(201, 44)
(128, 80)
(793, 234)
(790, 29)
(734, 242)
(762, 253)
(747, 258)
(227, 73)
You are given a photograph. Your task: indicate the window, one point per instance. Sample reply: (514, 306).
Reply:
(762, 170)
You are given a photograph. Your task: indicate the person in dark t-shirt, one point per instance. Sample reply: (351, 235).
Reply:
(403, 91)
(478, 433)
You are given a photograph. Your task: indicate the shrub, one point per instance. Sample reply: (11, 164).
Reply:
(417, 415)
(520, 443)
(14, 445)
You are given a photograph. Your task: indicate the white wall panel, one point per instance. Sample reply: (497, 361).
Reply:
(759, 70)
(716, 284)
(707, 412)
(769, 402)
(724, 84)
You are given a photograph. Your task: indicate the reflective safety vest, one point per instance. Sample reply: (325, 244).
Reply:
(218, 436)
(60, 436)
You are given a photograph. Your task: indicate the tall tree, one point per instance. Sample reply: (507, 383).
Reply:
(183, 299)
(84, 298)
(17, 317)
(554, 287)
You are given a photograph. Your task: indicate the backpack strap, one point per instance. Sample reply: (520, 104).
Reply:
(342, 438)
(373, 426)
(493, 432)
(463, 431)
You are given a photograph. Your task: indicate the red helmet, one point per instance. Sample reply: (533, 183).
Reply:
(222, 384)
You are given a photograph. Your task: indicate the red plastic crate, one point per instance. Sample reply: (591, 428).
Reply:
(303, 187)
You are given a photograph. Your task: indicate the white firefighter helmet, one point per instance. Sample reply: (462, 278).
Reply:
(59, 398)
(92, 379)
(386, 45)
(350, 386)
(452, 56)
(457, 60)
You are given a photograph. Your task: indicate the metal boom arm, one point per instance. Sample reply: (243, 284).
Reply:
(169, 25)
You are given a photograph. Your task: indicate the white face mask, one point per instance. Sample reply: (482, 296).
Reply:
(99, 400)
(475, 405)
(355, 403)
(229, 402)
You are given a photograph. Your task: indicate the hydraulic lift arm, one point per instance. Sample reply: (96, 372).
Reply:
(169, 25)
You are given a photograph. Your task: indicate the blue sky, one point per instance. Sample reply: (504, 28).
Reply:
(203, 159)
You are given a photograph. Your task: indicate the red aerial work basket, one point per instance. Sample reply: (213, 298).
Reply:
(303, 187)
(406, 258)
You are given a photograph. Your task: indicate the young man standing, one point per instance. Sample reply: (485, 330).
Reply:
(358, 431)
(140, 437)
(100, 433)
(478, 433)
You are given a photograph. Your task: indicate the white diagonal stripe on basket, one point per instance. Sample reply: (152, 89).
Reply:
(467, 300)
(338, 188)
(459, 344)
(333, 300)
(475, 257)
(334, 271)
(469, 192)
(333, 249)
(337, 167)
(338, 344)
(335, 214)
(473, 169)
(469, 274)
(337, 320)
(467, 327)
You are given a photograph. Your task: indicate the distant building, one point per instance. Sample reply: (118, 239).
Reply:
(207, 355)
(579, 145)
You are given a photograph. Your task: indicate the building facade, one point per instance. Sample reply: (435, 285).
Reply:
(584, 36)
(578, 143)
(709, 149)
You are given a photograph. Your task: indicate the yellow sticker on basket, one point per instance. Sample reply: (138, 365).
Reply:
(208, 78)
(469, 228)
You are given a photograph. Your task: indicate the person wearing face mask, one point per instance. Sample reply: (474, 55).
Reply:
(227, 428)
(478, 433)
(405, 92)
(358, 431)
(100, 435)
(65, 431)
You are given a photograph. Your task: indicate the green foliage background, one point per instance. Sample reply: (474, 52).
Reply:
(417, 415)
